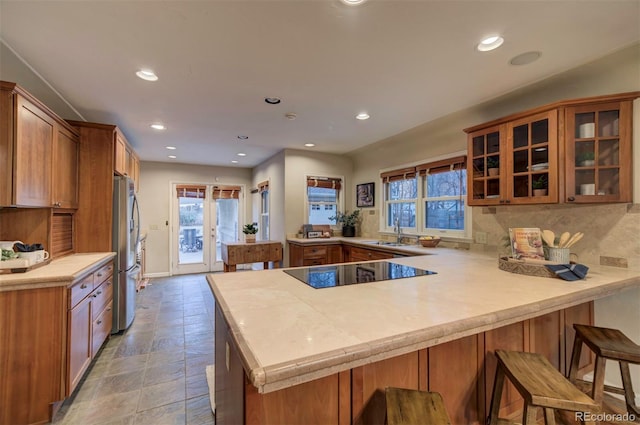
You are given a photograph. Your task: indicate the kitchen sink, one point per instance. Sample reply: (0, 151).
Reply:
(384, 243)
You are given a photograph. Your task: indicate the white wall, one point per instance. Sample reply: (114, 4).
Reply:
(155, 202)
(13, 69)
(272, 170)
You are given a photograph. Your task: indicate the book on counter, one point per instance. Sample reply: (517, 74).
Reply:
(526, 242)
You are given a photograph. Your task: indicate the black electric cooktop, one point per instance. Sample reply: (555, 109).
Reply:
(352, 274)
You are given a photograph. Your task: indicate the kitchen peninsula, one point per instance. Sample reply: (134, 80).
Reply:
(288, 353)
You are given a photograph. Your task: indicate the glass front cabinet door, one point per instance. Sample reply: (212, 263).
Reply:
(598, 153)
(532, 162)
(486, 169)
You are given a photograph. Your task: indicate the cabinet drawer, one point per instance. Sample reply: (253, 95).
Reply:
(275, 252)
(103, 273)
(81, 290)
(314, 252)
(313, 262)
(101, 328)
(102, 296)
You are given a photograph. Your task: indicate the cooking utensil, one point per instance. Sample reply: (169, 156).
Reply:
(549, 237)
(575, 238)
(564, 238)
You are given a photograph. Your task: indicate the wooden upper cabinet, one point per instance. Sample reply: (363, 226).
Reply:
(120, 154)
(598, 152)
(65, 169)
(28, 135)
(571, 151)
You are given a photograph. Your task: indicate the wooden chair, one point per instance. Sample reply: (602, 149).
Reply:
(607, 344)
(541, 385)
(410, 407)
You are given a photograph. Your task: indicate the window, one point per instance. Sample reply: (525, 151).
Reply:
(263, 188)
(428, 198)
(323, 197)
(443, 199)
(401, 197)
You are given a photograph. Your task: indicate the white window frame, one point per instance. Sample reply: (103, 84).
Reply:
(340, 198)
(421, 229)
(388, 202)
(452, 233)
(264, 214)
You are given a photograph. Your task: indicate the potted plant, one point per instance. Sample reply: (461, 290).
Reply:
(348, 221)
(250, 231)
(493, 166)
(539, 186)
(586, 159)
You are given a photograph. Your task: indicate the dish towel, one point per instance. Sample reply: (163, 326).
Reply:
(569, 271)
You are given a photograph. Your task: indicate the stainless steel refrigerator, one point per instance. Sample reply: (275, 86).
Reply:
(126, 237)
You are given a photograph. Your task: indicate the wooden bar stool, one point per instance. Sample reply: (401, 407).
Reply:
(409, 407)
(541, 385)
(607, 344)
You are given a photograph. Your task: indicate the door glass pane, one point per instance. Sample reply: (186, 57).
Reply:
(521, 186)
(540, 132)
(520, 161)
(585, 154)
(608, 152)
(521, 136)
(585, 125)
(191, 230)
(493, 142)
(226, 223)
(608, 123)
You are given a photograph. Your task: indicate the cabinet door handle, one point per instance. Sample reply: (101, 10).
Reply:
(571, 199)
(99, 274)
(99, 292)
(83, 286)
(99, 322)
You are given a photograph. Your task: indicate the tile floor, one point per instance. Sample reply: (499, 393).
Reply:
(154, 373)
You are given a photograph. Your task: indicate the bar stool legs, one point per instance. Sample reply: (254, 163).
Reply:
(607, 344)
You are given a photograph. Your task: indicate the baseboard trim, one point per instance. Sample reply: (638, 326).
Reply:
(161, 274)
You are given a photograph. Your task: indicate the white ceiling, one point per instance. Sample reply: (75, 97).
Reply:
(404, 62)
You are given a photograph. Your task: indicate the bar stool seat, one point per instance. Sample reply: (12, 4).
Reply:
(409, 407)
(541, 385)
(607, 344)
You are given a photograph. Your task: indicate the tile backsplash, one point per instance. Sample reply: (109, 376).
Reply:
(611, 231)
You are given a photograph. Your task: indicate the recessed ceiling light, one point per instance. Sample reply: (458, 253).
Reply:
(272, 100)
(171, 148)
(353, 2)
(158, 126)
(147, 74)
(490, 43)
(172, 156)
(525, 58)
(309, 145)
(234, 161)
(362, 116)
(243, 137)
(290, 115)
(242, 154)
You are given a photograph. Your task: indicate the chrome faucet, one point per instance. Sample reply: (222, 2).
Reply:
(398, 230)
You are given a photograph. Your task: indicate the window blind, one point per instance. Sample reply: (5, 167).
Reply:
(263, 186)
(191, 191)
(324, 182)
(442, 166)
(399, 174)
(226, 192)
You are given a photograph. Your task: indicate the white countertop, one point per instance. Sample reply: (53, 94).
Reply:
(60, 272)
(289, 333)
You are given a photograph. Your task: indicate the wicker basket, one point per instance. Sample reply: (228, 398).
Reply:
(430, 243)
(520, 267)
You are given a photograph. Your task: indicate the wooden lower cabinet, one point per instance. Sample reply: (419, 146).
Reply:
(48, 338)
(355, 253)
(462, 371)
(314, 254)
(234, 253)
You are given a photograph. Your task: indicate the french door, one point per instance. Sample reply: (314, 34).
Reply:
(203, 217)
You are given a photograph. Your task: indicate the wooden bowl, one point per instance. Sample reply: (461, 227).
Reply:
(430, 243)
